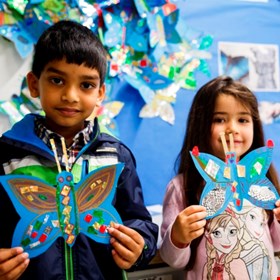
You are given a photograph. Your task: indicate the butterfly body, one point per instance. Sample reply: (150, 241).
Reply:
(67, 207)
(232, 181)
(65, 211)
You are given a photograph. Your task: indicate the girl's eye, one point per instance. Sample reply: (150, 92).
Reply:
(244, 120)
(56, 81)
(218, 120)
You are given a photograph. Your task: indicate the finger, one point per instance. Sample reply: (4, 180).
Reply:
(195, 234)
(121, 262)
(17, 271)
(196, 225)
(194, 209)
(14, 265)
(122, 232)
(123, 242)
(123, 250)
(6, 254)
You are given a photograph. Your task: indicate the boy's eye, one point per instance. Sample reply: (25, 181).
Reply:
(86, 85)
(56, 81)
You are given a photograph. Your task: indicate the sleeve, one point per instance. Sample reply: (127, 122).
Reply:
(129, 202)
(275, 234)
(173, 204)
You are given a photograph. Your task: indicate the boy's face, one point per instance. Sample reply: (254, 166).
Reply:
(68, 93)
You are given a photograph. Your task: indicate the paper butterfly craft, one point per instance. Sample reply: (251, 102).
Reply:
(48, 213)
(233, 181)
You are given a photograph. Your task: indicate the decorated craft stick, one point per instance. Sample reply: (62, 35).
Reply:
(65, 153)
(231, 181)
(231, 142)
(47, 213)
(224, 143)
(55, 154)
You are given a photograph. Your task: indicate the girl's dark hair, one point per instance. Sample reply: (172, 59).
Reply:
(198, 131)
(72, 41)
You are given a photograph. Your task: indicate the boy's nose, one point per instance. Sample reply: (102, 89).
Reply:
(70, 95)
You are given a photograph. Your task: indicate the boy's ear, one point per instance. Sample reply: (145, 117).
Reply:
(32, 82)
(101, 95)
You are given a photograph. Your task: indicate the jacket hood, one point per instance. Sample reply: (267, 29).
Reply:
(22, 132)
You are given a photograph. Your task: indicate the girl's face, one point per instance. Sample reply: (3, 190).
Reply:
(230, 116)
(69, 93)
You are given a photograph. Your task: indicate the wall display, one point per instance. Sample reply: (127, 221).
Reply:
(255, 65)
(144, 46)
(269, 112)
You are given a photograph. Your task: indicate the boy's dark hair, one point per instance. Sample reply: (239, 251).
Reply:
(72, 41)
(198, 131)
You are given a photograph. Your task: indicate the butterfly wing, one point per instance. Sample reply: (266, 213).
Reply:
(217, 198)
(35, 202)
(256, 187)
(94, 199)
(217, 192)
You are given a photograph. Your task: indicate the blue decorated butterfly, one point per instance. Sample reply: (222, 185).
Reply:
(48, 213)
(232, 181)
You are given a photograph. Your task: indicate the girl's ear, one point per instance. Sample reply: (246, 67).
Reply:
(32, 82)
(101, 95)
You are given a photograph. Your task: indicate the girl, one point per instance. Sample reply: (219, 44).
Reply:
(220, 106)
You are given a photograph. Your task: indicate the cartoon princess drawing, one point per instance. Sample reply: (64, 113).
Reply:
(223, 235)
(255, 253)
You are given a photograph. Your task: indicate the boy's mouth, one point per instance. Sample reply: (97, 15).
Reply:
(68, 111)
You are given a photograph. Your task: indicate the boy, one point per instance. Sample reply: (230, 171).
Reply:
(68, 72)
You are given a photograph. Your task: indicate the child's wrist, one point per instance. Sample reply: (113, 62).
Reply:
(180, 245)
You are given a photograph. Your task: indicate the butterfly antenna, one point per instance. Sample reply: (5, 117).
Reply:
(55, 154)
(65, 156)
(224, 143)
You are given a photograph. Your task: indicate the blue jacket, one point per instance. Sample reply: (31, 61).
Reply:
(87, 259)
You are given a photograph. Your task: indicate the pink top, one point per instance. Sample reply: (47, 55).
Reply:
(241, 244)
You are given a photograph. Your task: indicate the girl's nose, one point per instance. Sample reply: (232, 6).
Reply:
(231, 128)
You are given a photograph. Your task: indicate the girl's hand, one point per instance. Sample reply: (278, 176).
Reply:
(13, 263)
(128, 245)
(188, 225)
(276, 210)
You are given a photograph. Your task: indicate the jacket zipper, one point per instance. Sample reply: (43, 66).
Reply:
(68, 250)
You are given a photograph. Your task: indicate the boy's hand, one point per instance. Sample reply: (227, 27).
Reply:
(276, 210)
(189, 224)
(13, 263)
(128, 245)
